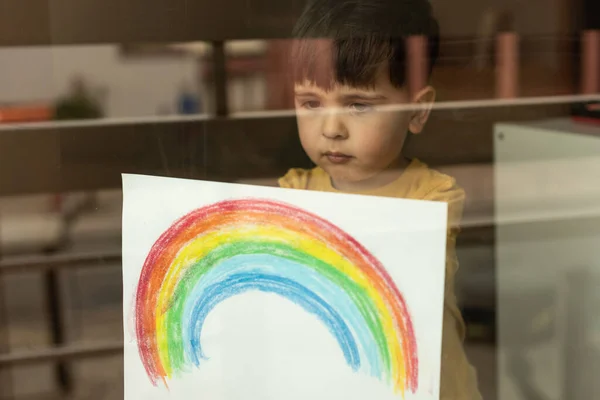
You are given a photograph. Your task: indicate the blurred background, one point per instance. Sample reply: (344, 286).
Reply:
(90, 90)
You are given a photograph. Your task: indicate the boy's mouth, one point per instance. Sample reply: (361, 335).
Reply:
(337, 158)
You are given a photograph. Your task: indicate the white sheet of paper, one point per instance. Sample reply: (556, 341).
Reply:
(258, 343)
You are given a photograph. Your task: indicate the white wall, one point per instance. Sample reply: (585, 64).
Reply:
(135, 86)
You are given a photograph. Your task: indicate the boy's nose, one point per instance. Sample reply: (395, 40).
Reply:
(333, 126)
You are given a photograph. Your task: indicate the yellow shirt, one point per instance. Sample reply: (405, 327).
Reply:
(458, 378)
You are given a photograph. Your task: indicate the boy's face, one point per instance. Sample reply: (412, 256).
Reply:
(344, 132)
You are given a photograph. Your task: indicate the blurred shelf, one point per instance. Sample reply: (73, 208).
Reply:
(103, 122)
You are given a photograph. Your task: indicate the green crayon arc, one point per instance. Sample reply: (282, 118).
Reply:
(195, 271)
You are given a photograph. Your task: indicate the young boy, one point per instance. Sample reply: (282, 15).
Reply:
(349, 68)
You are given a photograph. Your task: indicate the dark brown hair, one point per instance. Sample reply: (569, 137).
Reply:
(349, 41)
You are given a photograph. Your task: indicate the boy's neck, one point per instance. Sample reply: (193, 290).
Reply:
(385, 177)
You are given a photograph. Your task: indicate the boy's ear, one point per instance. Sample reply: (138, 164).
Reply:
(424, 100)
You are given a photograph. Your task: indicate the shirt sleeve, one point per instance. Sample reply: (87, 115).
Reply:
(295, 178)
(458, 377)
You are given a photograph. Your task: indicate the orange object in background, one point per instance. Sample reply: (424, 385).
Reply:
(507, 65)
(25, 113)
(590, 62)
(418, 63)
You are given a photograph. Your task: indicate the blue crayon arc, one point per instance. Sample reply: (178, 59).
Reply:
(337, 298)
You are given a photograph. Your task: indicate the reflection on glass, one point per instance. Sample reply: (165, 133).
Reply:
(515, 122)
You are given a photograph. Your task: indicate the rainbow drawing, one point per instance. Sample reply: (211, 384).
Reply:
(235, 246)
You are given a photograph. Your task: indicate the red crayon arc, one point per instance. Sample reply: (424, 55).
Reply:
(212, 217)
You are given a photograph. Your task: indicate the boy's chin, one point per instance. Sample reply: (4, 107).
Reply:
(344, 175)
(357, 180)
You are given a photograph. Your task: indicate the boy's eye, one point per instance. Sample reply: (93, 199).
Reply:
(311, 104)
(360, 107)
